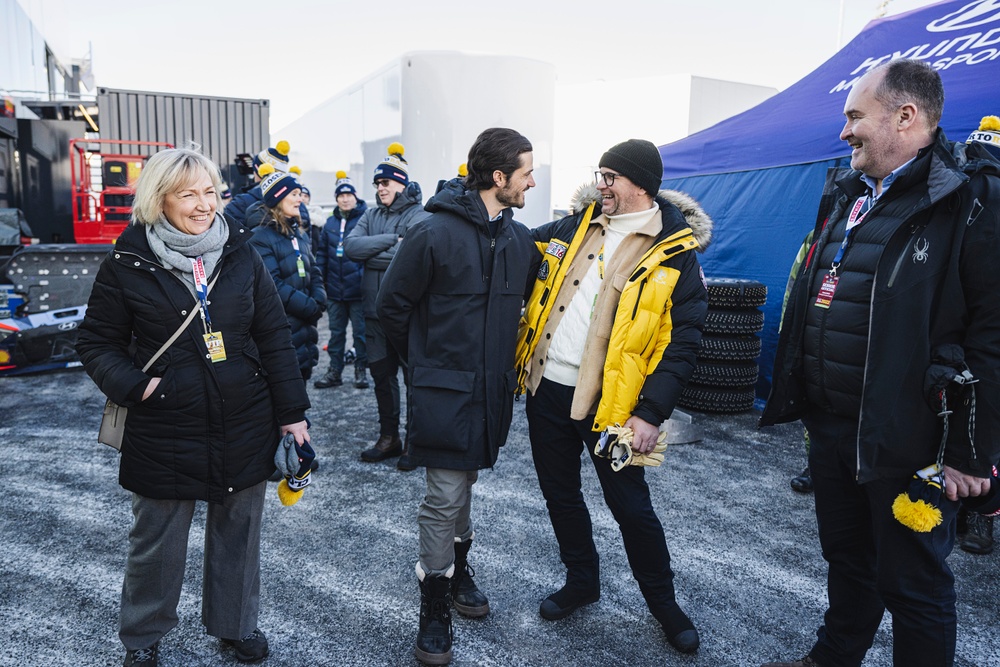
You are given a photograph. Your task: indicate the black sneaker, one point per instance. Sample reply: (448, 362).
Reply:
(252, 648)
(143, 657)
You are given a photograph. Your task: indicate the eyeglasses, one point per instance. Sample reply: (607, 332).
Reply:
(607, 176)
(382, 182)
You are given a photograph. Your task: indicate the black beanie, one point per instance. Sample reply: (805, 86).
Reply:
(638, 160)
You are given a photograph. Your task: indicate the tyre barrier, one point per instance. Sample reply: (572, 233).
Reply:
(726, 375)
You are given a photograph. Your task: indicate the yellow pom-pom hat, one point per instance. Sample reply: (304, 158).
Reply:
(393, 166)
(344, 185)
(988, 132)
(277, 157)
(463, 170)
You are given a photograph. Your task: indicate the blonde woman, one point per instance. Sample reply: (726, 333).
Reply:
(205, 419)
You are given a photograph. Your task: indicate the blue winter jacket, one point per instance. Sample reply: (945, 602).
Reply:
(341, 275)
(237, 208)
(303, 297)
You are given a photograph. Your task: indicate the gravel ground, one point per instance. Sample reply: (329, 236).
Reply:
(338, 581)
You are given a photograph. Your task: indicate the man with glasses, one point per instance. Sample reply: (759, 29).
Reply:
(895, 303)
(610, 337)
(373, 242)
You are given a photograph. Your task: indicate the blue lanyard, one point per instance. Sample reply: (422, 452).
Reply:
(858, 213)
(201, 287)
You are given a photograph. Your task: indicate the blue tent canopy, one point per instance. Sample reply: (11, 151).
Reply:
(760, 174)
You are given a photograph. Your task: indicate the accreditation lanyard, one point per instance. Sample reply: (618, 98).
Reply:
(300, 265)
(213, 339)
(340, 243)
(829, 285)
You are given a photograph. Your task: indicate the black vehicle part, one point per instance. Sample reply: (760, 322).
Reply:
(738, 374)
(729, 322)
(711, 399)
(55, 276)
(729, 348)
(736, 293)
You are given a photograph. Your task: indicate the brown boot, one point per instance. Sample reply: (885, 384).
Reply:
(804, 662)
(386, 447)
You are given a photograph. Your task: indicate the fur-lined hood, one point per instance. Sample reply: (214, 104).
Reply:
(701, 225)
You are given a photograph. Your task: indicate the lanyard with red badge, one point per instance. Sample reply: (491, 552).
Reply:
(213, 339)
(300, 265)
(829, 286)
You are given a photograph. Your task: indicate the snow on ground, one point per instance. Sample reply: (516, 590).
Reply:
(338, 581)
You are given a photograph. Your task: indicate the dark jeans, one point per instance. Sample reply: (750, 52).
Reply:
(556, 443)
(340, 312)
(384, 364)
(876, 563)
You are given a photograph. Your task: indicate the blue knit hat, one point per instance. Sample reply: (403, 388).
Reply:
(276, 187)
(277, 157)
(344, 185)
(393, 166)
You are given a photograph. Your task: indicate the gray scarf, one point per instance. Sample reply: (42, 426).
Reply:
(175, 249)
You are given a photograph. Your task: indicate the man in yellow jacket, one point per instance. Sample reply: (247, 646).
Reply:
(610, 337)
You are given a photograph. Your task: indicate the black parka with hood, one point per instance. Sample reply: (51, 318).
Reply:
(450, 304)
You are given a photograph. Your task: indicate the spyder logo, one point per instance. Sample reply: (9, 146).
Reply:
(920, 251)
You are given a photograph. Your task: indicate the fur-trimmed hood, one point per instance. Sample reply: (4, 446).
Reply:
(701, 225)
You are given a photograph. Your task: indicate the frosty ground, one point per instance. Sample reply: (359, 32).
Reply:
(338, 583)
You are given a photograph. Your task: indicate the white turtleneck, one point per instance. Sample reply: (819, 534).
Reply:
(562, 363)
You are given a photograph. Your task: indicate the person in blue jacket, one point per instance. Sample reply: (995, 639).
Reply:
(268, 161)
(343, 286)
(285, 252)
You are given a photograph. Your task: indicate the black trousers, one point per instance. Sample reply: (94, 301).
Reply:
(556, 444)
(876, 563)
(384, 364)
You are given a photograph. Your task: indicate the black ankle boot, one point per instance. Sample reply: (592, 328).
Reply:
(678, 628)
(467, 598)
(435, 635)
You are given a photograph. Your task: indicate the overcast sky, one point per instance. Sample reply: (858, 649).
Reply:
(298, 54)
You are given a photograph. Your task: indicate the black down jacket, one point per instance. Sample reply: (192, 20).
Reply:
(341, 274)
(450, 304)
(210, 429)
(303, 297)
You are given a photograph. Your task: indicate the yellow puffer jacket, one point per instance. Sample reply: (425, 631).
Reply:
(662, 305)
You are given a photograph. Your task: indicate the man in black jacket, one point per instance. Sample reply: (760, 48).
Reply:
(897, 293)
(449, 304)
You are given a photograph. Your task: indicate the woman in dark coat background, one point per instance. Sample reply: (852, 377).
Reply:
(287, 256)
(201, 425)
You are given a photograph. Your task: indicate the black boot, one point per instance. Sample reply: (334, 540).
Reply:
(330, 379)
(360, 376)
(435, 635)
(467, 598)
(678, 628)
(979, 538)
(583, 587)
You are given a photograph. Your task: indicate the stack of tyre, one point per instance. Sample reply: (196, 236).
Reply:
(726, 374)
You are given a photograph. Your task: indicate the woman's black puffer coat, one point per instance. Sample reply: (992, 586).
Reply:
(304, 297)
(209, 429)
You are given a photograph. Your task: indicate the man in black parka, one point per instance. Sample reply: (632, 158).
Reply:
(450, 304)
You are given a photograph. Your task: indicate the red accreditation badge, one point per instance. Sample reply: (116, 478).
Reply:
(826, 291)
(216, 348)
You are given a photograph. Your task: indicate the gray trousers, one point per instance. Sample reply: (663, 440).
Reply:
(154, 572)
(444, 517)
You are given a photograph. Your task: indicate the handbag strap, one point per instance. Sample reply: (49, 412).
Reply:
(180, 329)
